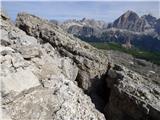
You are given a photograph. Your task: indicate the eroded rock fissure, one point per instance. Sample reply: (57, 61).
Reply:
(99, 92)
(97, 89)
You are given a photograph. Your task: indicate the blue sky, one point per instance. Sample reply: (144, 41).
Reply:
(107, 11)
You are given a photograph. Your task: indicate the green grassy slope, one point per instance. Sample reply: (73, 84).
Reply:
(147, 55)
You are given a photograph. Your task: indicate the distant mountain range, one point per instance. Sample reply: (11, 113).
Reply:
(129, 30)
(131, 21)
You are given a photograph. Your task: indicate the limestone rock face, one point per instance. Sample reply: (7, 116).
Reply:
(132, 97)
(14, 77)
(61, 99)
(36, 82)
(90, 61)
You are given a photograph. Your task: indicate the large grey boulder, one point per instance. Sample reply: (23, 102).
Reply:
(61, 99)
(14, 77)
(37, 83)
(131, 97)
(91, 62)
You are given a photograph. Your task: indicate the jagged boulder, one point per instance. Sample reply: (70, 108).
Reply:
(132, 97)
(37, 83)
(91, 62)
(61, 99)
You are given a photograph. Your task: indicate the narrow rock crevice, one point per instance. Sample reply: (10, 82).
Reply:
(99, 92)
(79, 82)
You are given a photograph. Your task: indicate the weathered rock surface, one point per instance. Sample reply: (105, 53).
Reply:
(88, 59)
(131, 97)
(37, 83)
(61, 99)
(148, 70)
(41, 75)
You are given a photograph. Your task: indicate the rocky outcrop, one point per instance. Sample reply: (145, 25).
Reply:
(88, 59)
(132, 97)
(132, 94)
(41, 75)
(61, 99)
(150, 71)
(37, 82)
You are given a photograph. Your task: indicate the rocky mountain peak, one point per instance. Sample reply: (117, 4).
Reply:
(150, 19)
(129, 15)
(85, 26)
(126, 20)
(91, 22)
(84, 19)
(131, 21)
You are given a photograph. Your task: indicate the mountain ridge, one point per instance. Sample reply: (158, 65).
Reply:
(145, 25)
